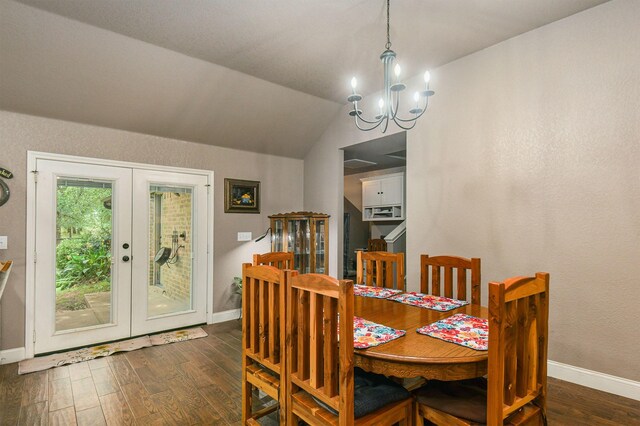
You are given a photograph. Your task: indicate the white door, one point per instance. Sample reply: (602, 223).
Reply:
(120, 252)
(170, 258)
(83, 285)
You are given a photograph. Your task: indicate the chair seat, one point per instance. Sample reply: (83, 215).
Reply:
(465, 399)
(371, 392)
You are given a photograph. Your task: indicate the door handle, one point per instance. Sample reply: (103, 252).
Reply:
(125, 258)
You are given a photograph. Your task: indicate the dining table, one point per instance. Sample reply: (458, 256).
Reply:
(416, 355)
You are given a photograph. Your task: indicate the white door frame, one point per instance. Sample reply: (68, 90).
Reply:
(32, 157)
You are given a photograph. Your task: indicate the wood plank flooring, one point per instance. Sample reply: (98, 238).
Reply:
(198, 382)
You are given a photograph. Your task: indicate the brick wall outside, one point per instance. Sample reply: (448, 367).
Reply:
(175, 215)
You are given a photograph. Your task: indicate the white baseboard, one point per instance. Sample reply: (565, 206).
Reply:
(231, 314)
(594, 379)
(12, 355)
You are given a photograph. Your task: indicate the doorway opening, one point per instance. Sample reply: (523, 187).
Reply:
(374, 197)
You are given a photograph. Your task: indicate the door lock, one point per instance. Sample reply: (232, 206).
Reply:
(125, 258)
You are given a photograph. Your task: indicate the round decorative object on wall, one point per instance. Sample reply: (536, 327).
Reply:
(4, 192)
(162, 255)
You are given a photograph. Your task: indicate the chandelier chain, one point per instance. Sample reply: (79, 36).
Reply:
(388, 45)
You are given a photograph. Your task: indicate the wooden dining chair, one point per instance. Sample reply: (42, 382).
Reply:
(323, 387)
(263, 333)
(376, 244)
(380, 269)
(279, 259)
(467, 272)
(516, 387)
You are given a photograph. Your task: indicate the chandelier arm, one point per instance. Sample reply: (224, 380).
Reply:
(426, 103)
(370, 128)
(413, 124)
(409, 120)
(358, 115)
(386, 124)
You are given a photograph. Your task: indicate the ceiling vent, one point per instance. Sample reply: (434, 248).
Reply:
(356, 163)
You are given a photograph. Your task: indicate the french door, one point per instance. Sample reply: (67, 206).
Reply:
(119, 252)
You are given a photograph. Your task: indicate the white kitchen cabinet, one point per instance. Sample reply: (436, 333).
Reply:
(383, 197)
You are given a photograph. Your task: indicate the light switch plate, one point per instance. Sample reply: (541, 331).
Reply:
(244, 236)
(4, 242)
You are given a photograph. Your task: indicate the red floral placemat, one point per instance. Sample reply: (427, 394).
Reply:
(378, 292)
(367, 334)
(437, 303)
(462, 329)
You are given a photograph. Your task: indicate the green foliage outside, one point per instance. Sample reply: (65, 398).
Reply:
(82, 261)
(83, 254)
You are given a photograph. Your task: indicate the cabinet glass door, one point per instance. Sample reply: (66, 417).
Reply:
(320, 246)
(299, 241)
(277, 235)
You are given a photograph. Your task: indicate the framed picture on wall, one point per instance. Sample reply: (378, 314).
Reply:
(241, 196)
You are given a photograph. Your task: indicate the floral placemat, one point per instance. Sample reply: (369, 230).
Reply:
(378, 292)
(437, 303)
(367, 334)
(462, 329)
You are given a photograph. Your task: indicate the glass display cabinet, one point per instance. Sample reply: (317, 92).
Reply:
(306, 234)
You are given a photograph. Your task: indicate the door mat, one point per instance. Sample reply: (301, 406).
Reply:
(177, 336)
(86, 354)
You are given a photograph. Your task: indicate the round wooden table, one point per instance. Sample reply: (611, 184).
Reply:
(414, 354)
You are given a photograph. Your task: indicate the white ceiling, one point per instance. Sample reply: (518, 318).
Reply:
(310, 46)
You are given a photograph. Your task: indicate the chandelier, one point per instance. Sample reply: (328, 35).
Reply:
(388, 103)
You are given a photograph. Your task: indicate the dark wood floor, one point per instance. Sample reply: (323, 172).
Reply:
(198, 382)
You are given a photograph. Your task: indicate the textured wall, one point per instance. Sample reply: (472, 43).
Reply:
(530, 159)
(281, 186)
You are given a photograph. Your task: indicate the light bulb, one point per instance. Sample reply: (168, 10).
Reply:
(354, 83)
(397, 70)
(416, 97)
(381, 105)
(427, 76)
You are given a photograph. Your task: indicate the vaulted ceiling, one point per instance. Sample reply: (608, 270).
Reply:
(264, 76)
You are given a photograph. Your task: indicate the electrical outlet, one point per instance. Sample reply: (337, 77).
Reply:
(244, 236)
(4, 243)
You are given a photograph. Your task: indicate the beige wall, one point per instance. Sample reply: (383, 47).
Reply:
(281, 186)
(530, 159)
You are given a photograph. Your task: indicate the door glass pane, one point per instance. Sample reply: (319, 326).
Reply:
(170, 286)
(84, 225)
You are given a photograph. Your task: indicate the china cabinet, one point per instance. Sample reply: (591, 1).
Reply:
(306, 235)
